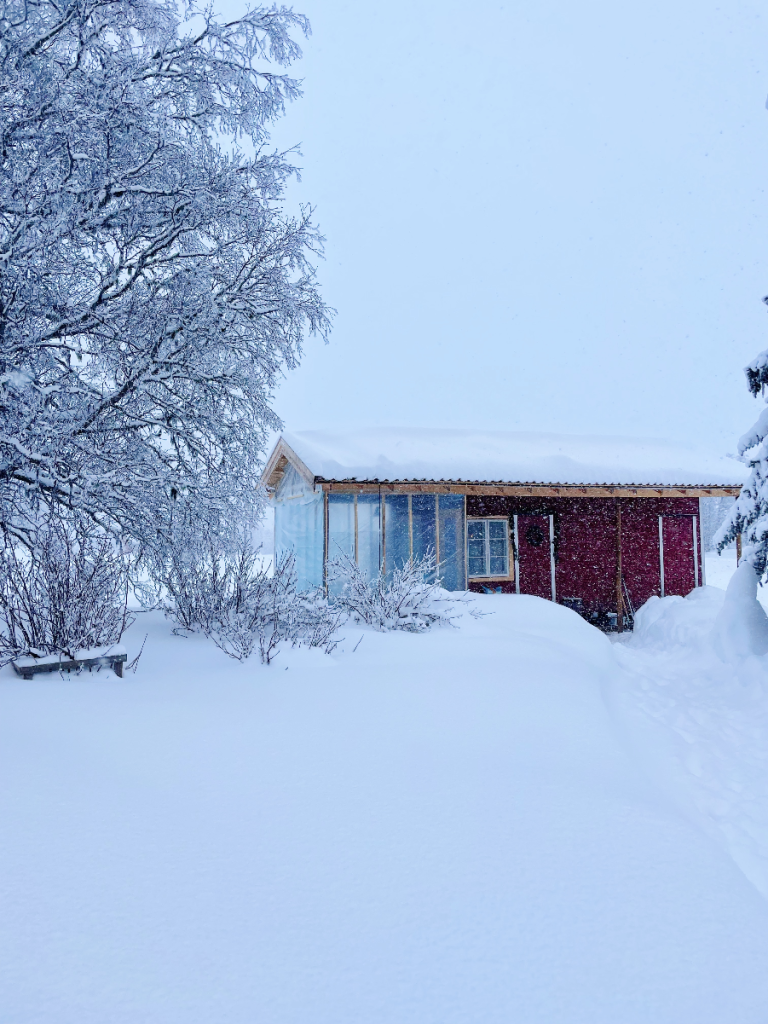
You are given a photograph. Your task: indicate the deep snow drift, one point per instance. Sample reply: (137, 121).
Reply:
(694, 696)
(515, 820)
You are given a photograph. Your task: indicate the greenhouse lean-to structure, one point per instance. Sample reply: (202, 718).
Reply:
(599, 524)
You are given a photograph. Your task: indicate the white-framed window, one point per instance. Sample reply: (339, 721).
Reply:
(488, 547)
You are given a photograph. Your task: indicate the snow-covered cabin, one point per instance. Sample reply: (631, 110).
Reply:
(596, 523)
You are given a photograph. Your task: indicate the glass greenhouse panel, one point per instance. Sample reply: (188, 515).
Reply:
(369, 533)
(424, 519)
(299, 527)
(397, 531)
(341, 525)
(451, 525)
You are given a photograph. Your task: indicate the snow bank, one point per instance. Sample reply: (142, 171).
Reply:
(741, 627)
(423, 454)
(441, 827)
(665, 623)
(731, 623)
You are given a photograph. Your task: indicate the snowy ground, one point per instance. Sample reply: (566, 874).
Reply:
(516, 820)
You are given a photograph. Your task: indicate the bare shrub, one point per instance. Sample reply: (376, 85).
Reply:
(409, 598)
(65, 593)
(236, 602)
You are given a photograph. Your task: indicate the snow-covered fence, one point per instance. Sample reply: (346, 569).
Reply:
(66, 593)
(241, 604)
(408, 598)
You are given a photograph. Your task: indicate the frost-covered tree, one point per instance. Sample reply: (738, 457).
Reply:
(749, 515)
(152, 287)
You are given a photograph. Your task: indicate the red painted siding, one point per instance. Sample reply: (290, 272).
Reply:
(679, 575)
(534, 555)
(640, 554)
(585, 547)
(492, 586)
(586, 559)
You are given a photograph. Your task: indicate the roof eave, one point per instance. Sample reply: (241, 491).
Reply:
(536, 488)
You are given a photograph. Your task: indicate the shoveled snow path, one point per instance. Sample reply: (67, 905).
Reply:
(434, 829)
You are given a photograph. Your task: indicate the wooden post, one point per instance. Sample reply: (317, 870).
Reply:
(738, 548)
(326, 525)
(619, 592)
(410, 526)
(356, 558)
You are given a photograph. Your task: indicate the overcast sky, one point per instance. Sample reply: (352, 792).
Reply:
(539, 216)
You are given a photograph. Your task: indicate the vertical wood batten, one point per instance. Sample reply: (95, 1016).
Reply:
(552, 557)
(357, 560)
(619, 591)
(701, 546)
(466, 547)
(437, 532)
(410, 526)
(516, 554)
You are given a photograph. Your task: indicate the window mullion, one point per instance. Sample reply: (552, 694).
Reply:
(487, 548)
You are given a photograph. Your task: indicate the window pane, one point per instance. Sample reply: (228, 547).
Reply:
(499, 565)
(398, 541)
(368, 534)
(498, 530)
(476, 547)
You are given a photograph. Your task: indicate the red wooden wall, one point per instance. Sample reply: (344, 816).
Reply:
(534, 554)
(585, 547)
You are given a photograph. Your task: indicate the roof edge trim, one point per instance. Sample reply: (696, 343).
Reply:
(539, 489)
(283, 454)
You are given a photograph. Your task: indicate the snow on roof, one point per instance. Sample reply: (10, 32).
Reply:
(510, 457)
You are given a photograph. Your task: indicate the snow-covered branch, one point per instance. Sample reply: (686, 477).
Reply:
(152, 290)
(408, 598)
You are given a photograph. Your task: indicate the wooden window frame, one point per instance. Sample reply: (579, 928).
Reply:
(488, 575)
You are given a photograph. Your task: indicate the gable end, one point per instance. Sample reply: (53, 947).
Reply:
(283, 455)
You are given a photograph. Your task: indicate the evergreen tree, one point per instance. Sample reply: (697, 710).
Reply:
(749, 515)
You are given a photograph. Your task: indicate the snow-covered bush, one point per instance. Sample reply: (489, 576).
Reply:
(241, 605)
(64, 593)
(409, 598)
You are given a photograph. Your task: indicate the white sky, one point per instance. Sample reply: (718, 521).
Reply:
(540, 216)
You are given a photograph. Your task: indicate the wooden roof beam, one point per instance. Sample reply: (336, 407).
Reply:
(528, 490)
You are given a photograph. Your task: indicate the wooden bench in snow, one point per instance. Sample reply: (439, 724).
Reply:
(113, 657)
